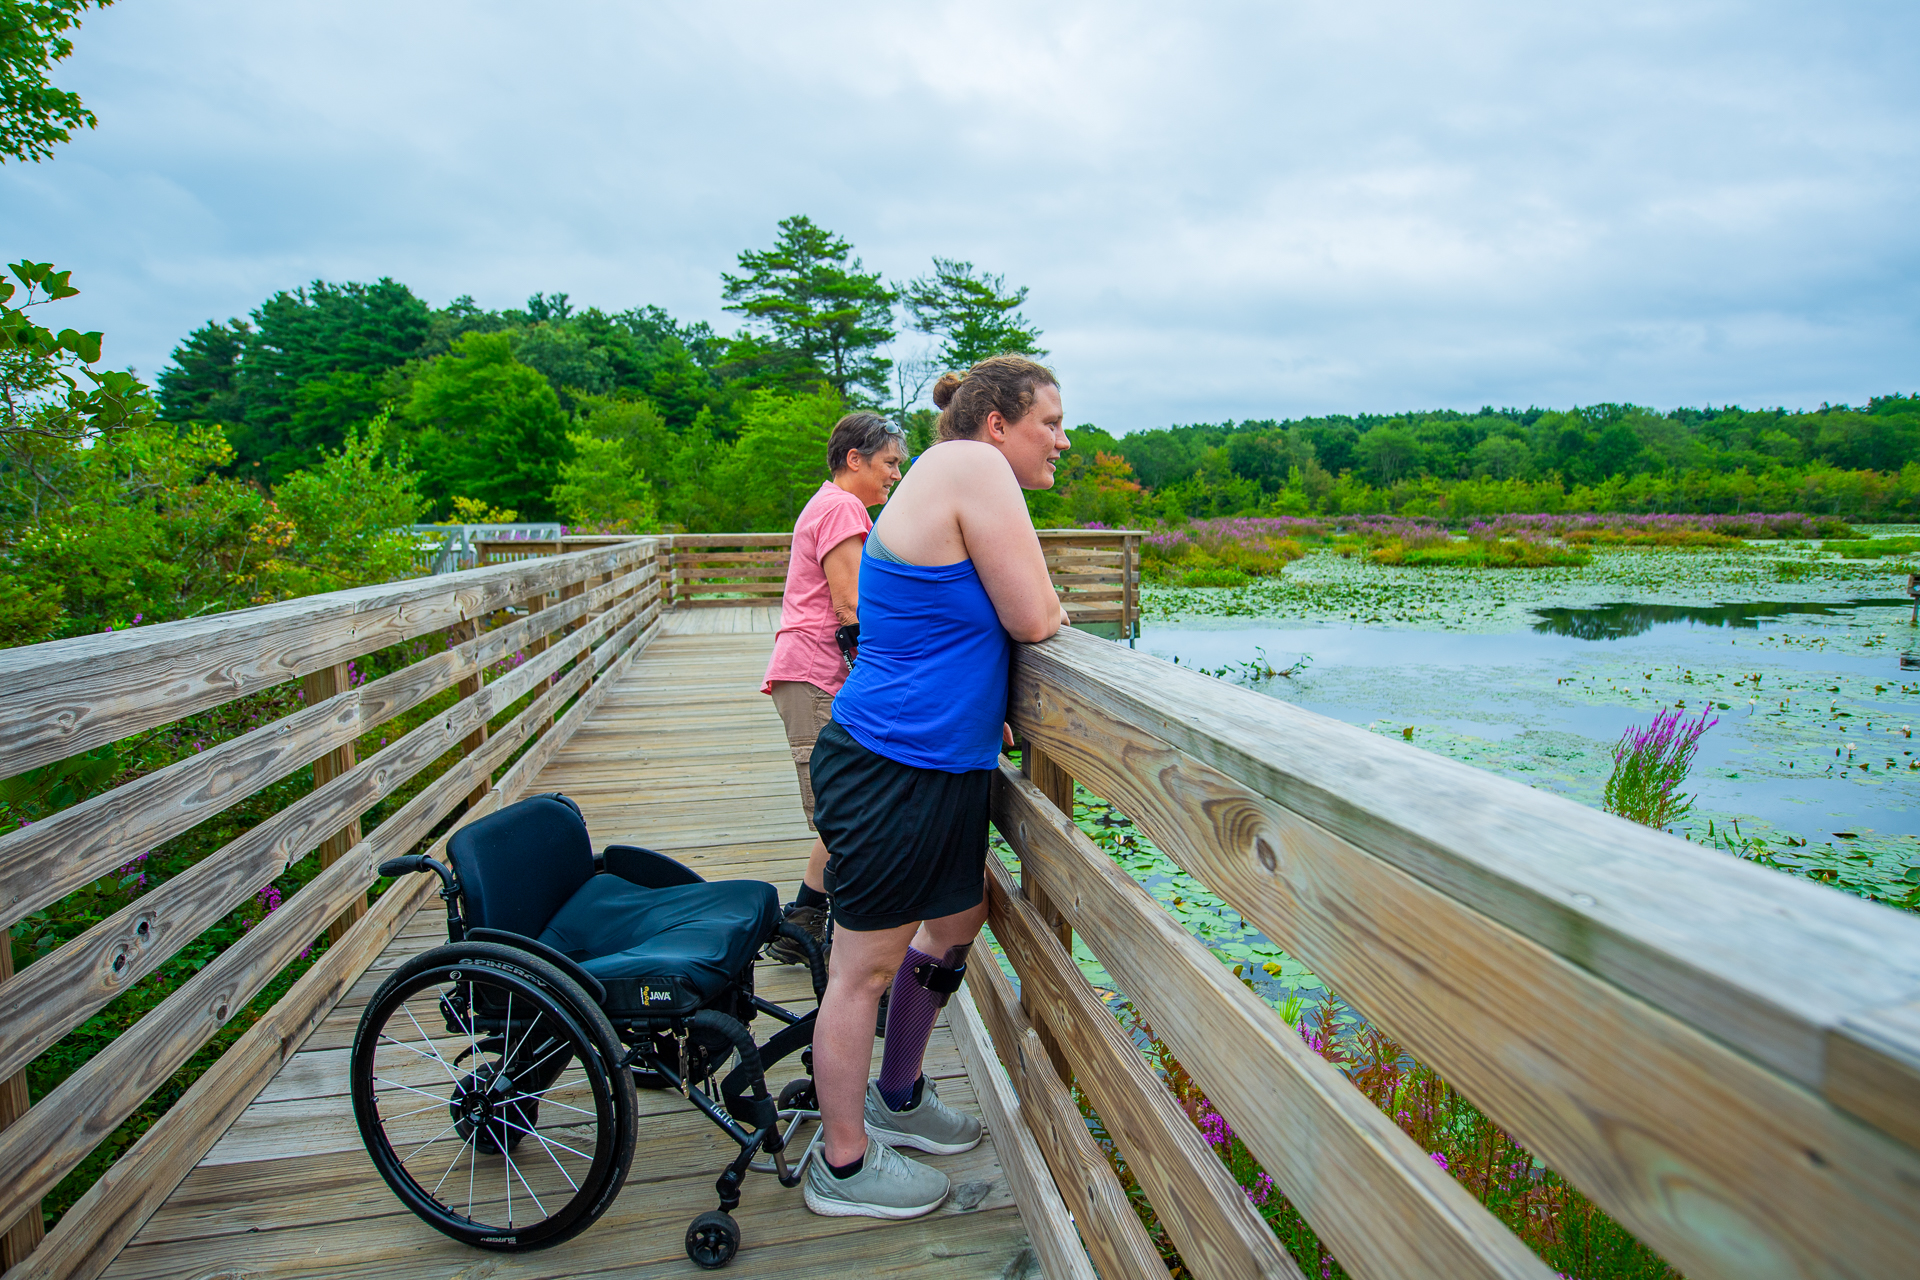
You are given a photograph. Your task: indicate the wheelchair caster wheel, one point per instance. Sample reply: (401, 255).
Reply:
(713, 1239)
(798, 1096)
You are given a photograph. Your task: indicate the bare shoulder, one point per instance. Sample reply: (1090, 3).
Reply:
(971, 460)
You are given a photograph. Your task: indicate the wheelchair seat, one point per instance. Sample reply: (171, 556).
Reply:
(663, 951)
(662, 941)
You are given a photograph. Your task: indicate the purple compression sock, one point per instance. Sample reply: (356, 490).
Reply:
(910, 1015)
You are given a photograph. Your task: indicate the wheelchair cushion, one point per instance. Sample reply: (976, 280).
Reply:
(663, 952)
(519, 865)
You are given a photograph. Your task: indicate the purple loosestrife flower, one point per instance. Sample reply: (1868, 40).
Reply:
(1650, 764)
(1440, 1159)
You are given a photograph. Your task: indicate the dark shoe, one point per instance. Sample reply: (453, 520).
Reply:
(784, 950)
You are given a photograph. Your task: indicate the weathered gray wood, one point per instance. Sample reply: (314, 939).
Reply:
(1380, 1203)
(22, 1237)
(1215, 1228)
(1768, 963)
(1107, 1224)
(58, 1133)
(100, 1223)
(1626, 1101)
(65, 988)
(1873, 1068)
(68, 696)
(1049, 1224)
(315, 688)
(42, 863)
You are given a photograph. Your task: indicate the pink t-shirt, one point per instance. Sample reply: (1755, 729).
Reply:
(805, 649)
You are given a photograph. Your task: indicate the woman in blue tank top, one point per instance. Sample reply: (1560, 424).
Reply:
(950, 577)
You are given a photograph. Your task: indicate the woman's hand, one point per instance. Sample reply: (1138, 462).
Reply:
(1006, 734)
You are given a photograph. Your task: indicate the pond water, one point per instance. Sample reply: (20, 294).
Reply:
(1791, 683)
(1811, 764)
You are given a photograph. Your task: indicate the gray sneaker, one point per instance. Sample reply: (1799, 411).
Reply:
(933, 1126)
(888, 1186)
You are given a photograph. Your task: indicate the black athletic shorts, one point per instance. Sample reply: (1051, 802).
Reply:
(903, 844)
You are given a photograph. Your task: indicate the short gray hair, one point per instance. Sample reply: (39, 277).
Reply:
(868, 433)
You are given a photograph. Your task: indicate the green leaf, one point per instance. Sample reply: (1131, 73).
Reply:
(30, 273)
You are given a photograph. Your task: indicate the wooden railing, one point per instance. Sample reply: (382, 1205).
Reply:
(1725, 1058)
(1096, 571)
(575, 619)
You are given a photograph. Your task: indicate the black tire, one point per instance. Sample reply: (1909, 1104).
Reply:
(713, 1239)
(434, 1044)
(798, 1095)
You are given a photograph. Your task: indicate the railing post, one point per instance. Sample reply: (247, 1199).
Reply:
(23, 1237)
(315, 689)
(457, 634)
(1057, 785)
(1130, 578)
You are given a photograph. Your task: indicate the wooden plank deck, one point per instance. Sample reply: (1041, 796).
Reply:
(685, 756)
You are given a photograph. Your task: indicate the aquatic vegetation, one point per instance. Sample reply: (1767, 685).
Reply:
(1873, 548)
(1224, 553)
(1480, 552)
(1650, 764)
(1650, 538)
(1756, 525)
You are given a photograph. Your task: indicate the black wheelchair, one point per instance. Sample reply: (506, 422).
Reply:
(494, 1078)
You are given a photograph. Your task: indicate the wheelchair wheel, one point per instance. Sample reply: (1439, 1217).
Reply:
(712, 1240)
(485, 1088)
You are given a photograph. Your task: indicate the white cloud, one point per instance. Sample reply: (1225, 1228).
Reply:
(1230, 210)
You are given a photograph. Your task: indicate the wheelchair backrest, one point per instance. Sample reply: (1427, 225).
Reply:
(519, 865)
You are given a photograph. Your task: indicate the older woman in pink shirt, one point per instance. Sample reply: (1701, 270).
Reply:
(822, 595)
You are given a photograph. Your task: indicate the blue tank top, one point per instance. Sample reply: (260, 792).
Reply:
(930, 687)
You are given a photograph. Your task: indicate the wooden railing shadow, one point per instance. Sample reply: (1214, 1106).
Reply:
(1724, 1058)
(572, 622)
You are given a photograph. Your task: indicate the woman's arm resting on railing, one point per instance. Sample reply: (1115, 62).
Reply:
(842, 566)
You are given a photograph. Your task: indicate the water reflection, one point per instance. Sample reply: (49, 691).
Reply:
(1617, 621)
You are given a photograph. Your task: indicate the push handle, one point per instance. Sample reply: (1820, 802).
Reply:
(406, 864)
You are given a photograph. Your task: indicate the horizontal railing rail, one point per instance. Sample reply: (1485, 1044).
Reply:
(1724, 1058)
(1096, 571)
(529, 647)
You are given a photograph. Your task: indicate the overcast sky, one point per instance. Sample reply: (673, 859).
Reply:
(1223, 211)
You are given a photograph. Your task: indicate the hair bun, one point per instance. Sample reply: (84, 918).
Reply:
(943, 390)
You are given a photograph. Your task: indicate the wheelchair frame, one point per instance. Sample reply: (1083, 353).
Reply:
(667, 1052)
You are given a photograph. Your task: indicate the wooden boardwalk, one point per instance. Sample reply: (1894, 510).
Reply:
(684, 755)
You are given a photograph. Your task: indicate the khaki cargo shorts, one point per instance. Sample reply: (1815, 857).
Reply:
(805, 709)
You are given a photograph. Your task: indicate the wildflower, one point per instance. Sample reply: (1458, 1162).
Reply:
(1440, 1159)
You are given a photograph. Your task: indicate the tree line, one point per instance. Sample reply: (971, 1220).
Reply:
(1863, 463)
(621, 419)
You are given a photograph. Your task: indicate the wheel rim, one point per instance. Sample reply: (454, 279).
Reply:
(484, 1103)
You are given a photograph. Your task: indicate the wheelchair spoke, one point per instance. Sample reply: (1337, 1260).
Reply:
(428, 1041)
(435, 1105)
(559, 1047)
(395, 1084)
(556, 1159)
(451, 1166)
(542, 1095)
(514, 1170)
(430, 1141)
(563, 1146)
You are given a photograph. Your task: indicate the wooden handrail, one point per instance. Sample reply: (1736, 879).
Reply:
(1096, 571)
(1658, 1021)
(600, 608)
